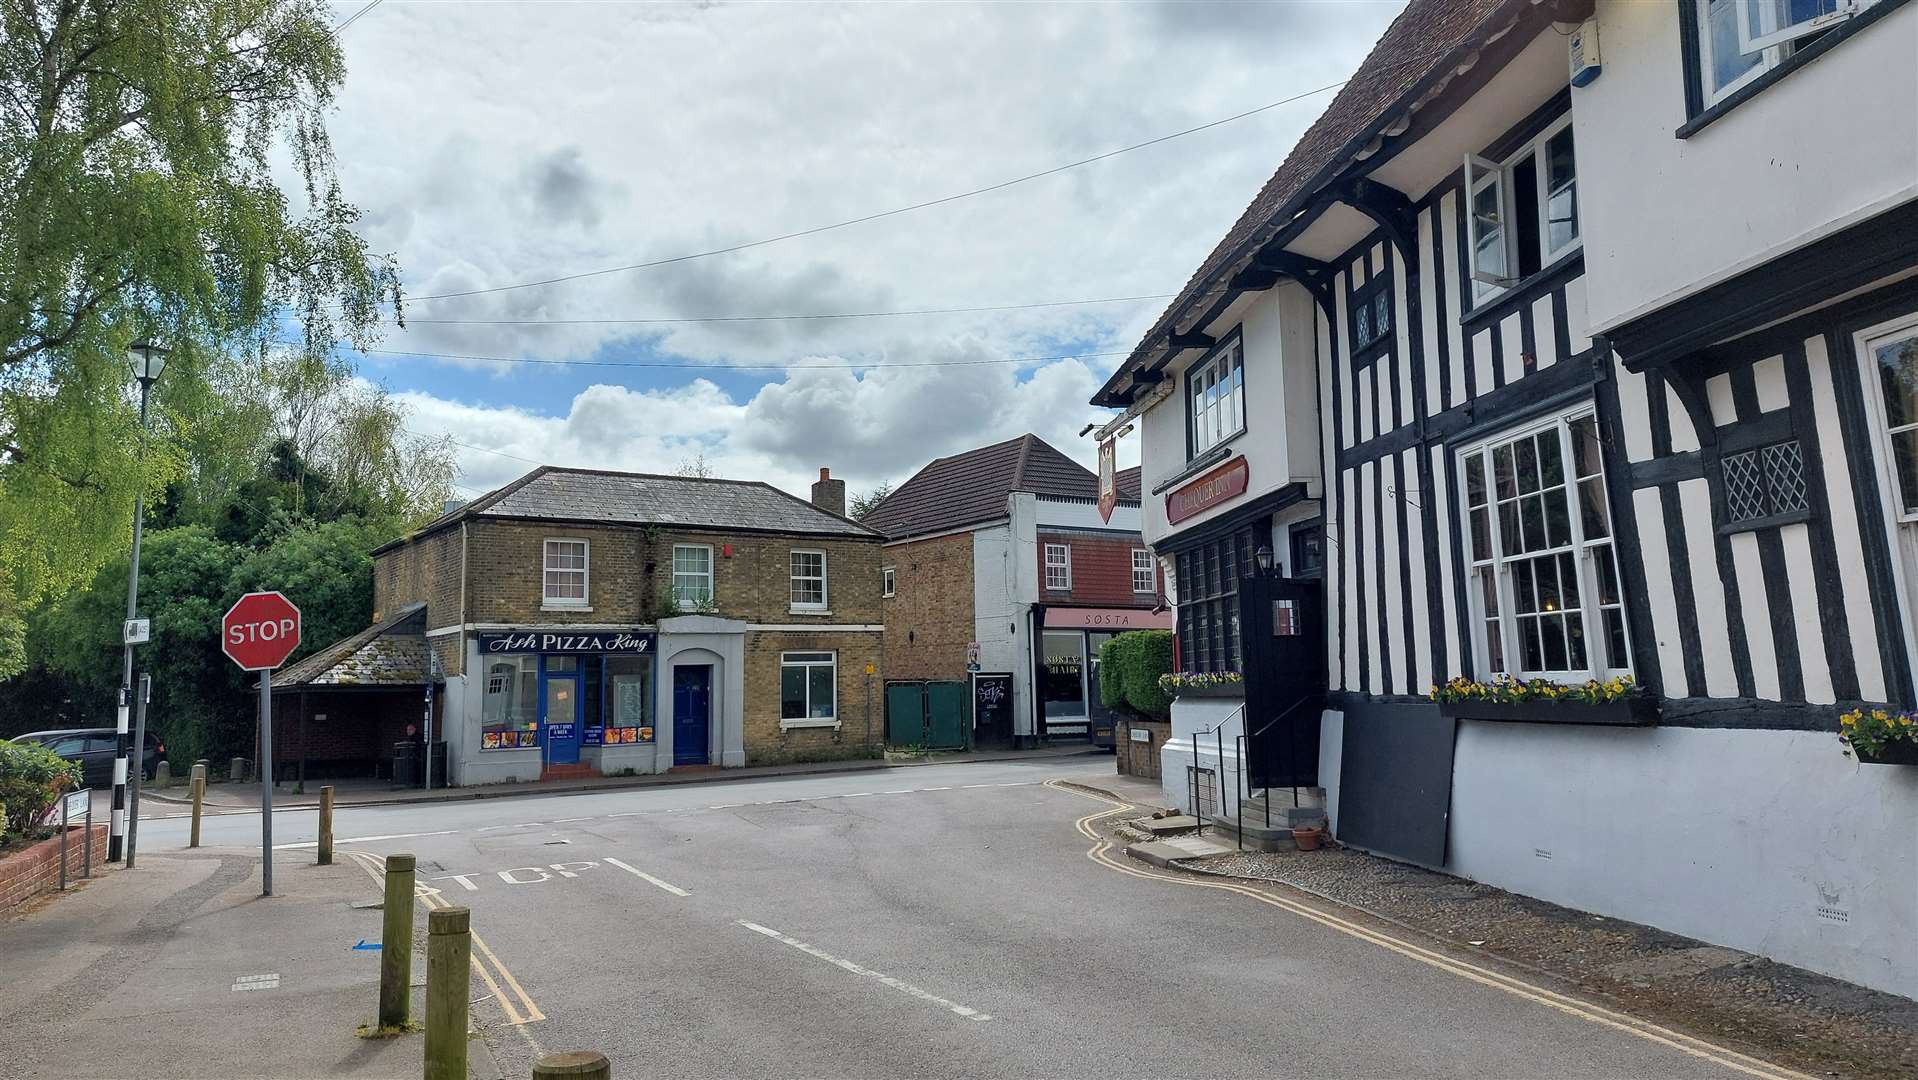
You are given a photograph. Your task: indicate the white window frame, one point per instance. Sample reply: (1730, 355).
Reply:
(1898, 524)
(793, 576)
(1482, 172)
(888, 581)
(705, 604)
(806, 662)
(1582, 548)
(1216, 415)
(1063, 565)
(1142, 564)
(1768, 34)
(584, 570)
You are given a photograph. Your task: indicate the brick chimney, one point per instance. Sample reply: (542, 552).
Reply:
(829, 494)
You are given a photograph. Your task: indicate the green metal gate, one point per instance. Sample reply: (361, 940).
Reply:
(928, 714)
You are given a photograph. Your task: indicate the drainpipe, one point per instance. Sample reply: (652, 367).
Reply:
(1035, 649)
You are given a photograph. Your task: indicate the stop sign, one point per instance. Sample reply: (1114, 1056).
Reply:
(260, 631)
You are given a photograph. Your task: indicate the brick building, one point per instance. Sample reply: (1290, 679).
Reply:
(580, 622)
(1000, 571)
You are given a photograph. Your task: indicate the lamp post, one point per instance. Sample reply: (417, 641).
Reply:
(147, 359)
(1263, 557)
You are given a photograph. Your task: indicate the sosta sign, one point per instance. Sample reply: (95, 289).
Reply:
(1224, 483)
(260, 631)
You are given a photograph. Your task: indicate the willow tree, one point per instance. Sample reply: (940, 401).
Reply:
(138, 146)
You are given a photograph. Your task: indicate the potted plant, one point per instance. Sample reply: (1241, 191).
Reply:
(1203, 684)
(1616, 701)
(1308, 837)
(1880, 736)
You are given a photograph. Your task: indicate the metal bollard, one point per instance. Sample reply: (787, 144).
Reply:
(449, 966)
(326, 825)
(575, 1065)
(396, 943)
(199, 794)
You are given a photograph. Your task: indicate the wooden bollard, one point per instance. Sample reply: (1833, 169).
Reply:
(199, 795)
(396, 943)
(449, 967)
(574, 1065)
(326, 825)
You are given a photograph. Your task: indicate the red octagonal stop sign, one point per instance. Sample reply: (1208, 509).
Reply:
(260, 630)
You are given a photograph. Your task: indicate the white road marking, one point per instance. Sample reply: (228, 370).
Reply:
(269, 981)
(726, 806)
(977, 785)
(644, 876)
(897, 984)
(899, 791)
(564, 820)
(366, 839)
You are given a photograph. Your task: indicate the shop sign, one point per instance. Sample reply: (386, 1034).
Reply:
(1108, 479)
(1221, 485)
(1064, 618)
(593, 736)
(562, 641)
(559, 732)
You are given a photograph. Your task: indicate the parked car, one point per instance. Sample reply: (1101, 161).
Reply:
(94, 749)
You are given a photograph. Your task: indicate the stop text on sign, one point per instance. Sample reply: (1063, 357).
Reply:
(260, 631)
(271, 630)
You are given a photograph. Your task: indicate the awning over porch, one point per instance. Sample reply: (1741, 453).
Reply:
(387, 655)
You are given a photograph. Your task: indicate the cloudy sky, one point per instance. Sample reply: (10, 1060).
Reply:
(493, 144)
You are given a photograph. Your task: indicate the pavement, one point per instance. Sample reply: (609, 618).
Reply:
(245, 798)
(957, 920)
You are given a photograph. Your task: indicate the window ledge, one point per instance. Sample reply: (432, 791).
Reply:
(1214, 454)
(1825, 43)
(788, 725)
(1772, 521)
(1519, 293)
(808, 611)
(566, 607)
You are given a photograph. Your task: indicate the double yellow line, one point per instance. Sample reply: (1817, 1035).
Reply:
(518, 1006)
(1101, 853)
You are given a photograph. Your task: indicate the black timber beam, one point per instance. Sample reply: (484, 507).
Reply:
(1389, 209)
(1191, 339)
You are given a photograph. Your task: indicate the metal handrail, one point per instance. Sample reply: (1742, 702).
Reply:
(1282, 714)
(1218, 731)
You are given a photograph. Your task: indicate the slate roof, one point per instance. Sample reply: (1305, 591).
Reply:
(969, 488)
(388, 653)
(551, 493)
(1412, 53)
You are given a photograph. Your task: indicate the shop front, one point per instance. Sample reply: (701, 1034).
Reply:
(1069, 666)
(563, 703)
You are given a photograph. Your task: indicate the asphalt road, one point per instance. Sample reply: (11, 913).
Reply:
(940, 921)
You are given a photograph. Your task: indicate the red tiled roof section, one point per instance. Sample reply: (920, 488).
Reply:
(969, 488)
(1409, 51)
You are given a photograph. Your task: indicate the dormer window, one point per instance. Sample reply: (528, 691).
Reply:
(1215, 397)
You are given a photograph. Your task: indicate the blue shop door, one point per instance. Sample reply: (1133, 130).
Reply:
(559, 717)
(692, 713)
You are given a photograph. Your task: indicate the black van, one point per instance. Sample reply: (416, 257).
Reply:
(94, 749)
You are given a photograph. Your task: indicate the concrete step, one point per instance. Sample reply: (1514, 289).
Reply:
(1166, 852)
(1283, 813)
(1170, 826)
(1256, 837)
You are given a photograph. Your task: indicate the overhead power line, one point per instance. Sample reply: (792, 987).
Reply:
(694, 366)
(783, 318)
(815, 230)
(351, 19)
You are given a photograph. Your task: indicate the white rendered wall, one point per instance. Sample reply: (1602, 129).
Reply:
(1663, 216)
(1733, 837)
(999, 617)
(1201, 716)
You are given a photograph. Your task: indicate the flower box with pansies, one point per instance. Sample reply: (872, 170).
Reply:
(1203, 684)
(1614, 702)
(1880, 736)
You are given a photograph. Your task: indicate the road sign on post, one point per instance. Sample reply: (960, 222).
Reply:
(259, 632)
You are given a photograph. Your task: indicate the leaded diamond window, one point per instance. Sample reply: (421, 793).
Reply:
(1764, 482)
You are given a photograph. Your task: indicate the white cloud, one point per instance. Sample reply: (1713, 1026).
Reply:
(495, 143)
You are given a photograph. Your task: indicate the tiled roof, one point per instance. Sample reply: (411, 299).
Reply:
(1412, 51)
(969, 488)
(593, 495)
(1129, 484)
(388, 653)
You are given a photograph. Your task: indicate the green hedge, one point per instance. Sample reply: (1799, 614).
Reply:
(32, 778)
(1129, 669)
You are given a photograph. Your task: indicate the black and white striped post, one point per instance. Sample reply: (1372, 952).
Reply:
(148, 359)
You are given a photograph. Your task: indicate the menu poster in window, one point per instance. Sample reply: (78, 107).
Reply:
(592, 736)
(629, 700)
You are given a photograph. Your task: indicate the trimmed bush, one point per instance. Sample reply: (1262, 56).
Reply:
(1129, 669)
(32, 778)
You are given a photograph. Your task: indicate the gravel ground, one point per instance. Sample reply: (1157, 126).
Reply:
(1818, 1024)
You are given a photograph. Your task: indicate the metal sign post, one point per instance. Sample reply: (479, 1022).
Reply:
(258, 633)
(139, 767)
(63, 844)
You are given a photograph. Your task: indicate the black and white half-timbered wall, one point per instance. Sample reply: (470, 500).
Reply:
(1616, 381)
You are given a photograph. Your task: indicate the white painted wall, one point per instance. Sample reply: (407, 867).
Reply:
(1663, 217)
(1201, 716)
(1280, 443)
(1731, 837)
(999, 617)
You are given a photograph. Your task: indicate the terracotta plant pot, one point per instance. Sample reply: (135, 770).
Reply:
(1307, 837)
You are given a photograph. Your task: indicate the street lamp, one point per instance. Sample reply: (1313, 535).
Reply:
(1263, 557)
(147, 359)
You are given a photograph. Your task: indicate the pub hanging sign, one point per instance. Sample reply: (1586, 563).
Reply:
(566, 641)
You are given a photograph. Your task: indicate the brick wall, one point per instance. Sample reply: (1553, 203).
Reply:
(36, 870)
(1139, 758)
(929, 619)
(1101, 571)
(428, 570)
(766, 743)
